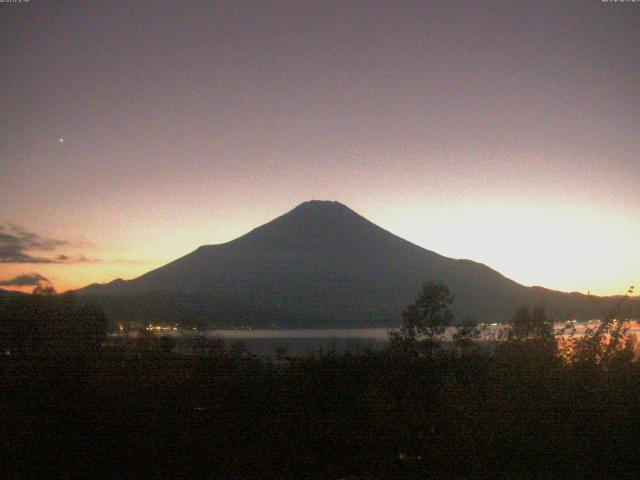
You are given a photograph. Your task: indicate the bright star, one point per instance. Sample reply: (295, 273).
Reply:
(61, 140)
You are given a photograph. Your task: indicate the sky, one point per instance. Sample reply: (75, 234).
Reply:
(503, 132)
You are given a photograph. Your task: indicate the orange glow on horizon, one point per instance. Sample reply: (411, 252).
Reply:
(506, 138)
(535, 245)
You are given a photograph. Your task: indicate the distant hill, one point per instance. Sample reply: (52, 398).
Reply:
(320, 265)
(10, 293)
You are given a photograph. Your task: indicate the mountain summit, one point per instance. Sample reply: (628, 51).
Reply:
(320, 265)
(311, 225)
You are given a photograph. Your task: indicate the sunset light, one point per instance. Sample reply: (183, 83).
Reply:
(320, 239)
(452, 139)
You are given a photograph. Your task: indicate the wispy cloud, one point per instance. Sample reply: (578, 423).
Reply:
(25, 280)
(75, 259)
(17, 245)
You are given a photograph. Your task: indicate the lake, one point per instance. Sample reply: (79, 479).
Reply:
(303, 341)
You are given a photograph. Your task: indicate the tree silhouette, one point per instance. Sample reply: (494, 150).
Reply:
(530, 334)
(45, 323)
(608, 341)
(530, 324)
(465, 336)
(429, 315)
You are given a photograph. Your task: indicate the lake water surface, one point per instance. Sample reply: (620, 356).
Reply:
(305, 341)
(360, 333)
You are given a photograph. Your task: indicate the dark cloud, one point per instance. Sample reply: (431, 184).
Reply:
(17, 245)
(25, 280)
(77, 259)
(83, 259)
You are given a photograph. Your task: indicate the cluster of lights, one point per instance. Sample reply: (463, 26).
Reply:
(161, 328)
(122, 328)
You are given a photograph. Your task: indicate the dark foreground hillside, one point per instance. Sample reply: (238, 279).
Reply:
(535, 405)
(353, 416)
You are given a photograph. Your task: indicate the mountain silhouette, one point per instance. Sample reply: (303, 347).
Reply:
(320, 265)
(10, 293)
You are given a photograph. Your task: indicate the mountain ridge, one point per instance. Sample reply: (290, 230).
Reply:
(324, 265)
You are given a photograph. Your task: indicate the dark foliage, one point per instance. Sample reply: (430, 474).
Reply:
(518, 412)
(429, 315)
(49, 324)
(369, 416)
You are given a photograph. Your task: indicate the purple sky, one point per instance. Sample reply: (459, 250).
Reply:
(504, 132)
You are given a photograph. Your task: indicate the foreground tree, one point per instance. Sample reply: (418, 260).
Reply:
(610, 341)
(429, 316)
(529, 334)
(50, 324)
(465, 337)
(530, 324)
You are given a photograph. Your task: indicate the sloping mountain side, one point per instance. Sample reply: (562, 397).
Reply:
(319, 266)
(9, 293)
